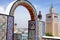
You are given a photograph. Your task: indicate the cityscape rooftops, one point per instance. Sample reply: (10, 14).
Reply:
(21, 30)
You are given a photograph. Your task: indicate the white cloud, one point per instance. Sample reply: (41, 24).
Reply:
(36, 6)
(1, 10)
(9, 7)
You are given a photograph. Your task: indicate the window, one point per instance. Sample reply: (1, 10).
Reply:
(49, 16)
(55, 16)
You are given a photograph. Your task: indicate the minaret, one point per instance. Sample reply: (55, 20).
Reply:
(52, 22)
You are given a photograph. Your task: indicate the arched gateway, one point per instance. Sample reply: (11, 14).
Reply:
(32, 22)
(27, 5)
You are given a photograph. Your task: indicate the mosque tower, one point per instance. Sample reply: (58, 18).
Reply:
(52, 22)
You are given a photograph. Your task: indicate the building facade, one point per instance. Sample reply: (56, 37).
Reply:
(25, 36)
(52, 22)
(17, 36)
(20, 36)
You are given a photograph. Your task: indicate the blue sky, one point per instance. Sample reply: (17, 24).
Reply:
(40, 5)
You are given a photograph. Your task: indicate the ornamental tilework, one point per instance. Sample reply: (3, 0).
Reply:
(3, 27)
(10, 30)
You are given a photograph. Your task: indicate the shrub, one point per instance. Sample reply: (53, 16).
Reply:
(48, 34)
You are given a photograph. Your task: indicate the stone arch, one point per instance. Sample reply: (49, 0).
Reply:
(27, 5)
(33, 16)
